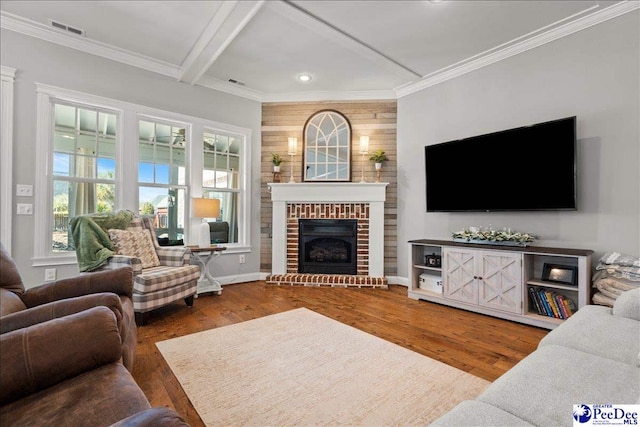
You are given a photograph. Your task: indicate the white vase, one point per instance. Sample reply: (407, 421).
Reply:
(276, 168)
(378, 166)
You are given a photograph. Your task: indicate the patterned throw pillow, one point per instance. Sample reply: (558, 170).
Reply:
(135, 243)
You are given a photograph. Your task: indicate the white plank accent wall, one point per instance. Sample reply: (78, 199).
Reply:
(376, 119)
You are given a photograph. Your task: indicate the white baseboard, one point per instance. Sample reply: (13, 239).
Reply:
(229, 280)
(397, 280)
(239, 278)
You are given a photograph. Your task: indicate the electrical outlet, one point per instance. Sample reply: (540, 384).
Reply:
(24, 209)
(24, 190)
(49, 274)
(242, 259)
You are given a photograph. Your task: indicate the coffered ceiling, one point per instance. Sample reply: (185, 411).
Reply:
(351, 49)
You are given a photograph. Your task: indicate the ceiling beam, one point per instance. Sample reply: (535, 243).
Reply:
(230, 18)
(330, 32)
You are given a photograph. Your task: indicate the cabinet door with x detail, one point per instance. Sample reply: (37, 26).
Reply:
(459, 268)
(500, 281)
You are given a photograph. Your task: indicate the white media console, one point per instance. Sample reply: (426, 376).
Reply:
(496, 280)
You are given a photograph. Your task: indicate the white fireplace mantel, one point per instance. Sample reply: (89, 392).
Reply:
(373, 193)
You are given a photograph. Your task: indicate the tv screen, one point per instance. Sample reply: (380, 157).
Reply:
(523, 169)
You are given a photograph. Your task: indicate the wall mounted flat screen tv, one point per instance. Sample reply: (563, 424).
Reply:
(529, 168)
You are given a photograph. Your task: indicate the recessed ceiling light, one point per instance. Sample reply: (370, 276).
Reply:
(304, 77)
(437, 1)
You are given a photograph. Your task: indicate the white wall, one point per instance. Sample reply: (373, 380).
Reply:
(593, 74)
(39, 61)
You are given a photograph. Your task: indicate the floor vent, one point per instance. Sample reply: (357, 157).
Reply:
(64, 27)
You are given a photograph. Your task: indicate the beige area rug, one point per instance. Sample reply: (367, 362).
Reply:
(300, 368)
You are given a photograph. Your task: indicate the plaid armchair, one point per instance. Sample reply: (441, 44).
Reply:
(168, 277)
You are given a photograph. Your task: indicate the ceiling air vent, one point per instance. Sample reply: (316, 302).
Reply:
(65, 27)
(236, 82)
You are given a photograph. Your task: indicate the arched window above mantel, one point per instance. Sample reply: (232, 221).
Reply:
(327, 147)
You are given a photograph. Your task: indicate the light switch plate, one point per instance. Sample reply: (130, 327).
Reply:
(24, 190)
(24, 209)
(49, 274)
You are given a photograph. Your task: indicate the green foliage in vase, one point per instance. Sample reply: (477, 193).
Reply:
(378, 156)
(276, 159)
(494, 235)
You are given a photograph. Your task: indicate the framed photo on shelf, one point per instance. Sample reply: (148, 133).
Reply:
(557, 273)
(433, 260)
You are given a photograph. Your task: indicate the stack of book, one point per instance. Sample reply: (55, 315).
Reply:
(551, 304)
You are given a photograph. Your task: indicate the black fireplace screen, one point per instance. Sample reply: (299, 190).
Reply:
(327, 246)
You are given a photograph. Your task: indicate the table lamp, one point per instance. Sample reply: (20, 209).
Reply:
(205, 208)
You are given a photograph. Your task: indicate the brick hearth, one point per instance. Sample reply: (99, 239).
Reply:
(333, 280)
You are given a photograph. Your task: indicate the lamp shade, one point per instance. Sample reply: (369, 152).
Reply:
(206, 208)
(293, 146)
(364, 144)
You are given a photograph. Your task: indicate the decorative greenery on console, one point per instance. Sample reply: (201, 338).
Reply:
(493, 236)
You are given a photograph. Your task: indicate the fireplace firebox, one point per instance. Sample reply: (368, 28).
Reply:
(327, 246)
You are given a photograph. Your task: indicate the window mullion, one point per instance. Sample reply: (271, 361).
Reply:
(127, 161)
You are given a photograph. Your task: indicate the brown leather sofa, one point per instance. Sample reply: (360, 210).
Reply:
(67, 372)
(20, 308)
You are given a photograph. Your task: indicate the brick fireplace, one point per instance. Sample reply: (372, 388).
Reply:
(328, 211)
(362, 202)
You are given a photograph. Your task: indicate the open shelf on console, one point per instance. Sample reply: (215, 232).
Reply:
(540, 318)
(554, 285)
(426, 267)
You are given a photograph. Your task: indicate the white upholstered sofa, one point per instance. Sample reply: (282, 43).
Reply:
(592, 358)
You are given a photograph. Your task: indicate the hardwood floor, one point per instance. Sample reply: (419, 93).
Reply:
(481, 345)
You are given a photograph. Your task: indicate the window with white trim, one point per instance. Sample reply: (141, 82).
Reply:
(92, 149)
(162, 177)
(83, 163)
(221, 170)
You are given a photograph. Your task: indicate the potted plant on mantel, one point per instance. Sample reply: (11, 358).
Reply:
(277, 161)
(378, 157)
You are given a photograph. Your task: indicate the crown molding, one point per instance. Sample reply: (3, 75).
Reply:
(556, 33)
(255, 95)
(35, 29)
(355, 95)
(31, 28)
(230, 88)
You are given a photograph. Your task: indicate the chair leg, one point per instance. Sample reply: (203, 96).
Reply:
(189, 301)
(141, 318)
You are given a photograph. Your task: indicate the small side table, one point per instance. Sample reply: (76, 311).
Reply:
(204, 257)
